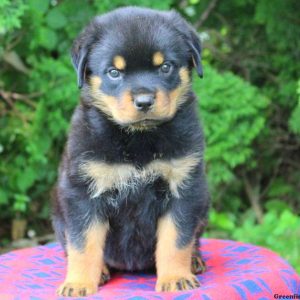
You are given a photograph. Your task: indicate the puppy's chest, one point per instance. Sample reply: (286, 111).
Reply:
(122, 178)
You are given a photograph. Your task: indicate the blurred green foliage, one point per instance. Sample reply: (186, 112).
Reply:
(227, 108)
(249, 103)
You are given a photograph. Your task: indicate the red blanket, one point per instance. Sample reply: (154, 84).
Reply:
(235, 271)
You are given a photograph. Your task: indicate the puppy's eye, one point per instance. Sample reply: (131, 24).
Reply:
(166, 68)
(114, 73)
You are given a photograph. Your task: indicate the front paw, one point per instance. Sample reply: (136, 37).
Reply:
(75, 289)
(177, 283)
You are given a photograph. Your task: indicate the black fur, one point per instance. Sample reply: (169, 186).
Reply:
(134, 33)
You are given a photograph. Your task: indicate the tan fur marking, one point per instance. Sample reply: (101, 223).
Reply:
(163, 106)
(119, 62)
(126, 111)
(95, 82)
(158, 58)
(84, 267)
(166, 105)
(175, 171)
(119, 110)
(104, 102)
(123, 111)
(107, 176)
(177, 96)
(184, 76)
(103, 176)
(173, 265)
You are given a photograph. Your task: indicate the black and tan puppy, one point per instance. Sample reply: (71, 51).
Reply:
(131, 193)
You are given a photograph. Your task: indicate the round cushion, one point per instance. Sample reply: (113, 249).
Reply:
(234, 271)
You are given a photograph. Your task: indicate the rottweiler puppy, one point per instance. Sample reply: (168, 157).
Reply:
(131, 193)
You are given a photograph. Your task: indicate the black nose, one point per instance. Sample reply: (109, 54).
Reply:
(143, 102)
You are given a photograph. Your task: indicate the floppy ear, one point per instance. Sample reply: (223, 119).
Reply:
(81, 47)
(195, 46)
(79, 60)
(191, 37)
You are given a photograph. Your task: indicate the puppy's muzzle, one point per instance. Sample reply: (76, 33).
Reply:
(143, 102)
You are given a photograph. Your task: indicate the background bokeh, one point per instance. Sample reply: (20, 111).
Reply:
(249, 101)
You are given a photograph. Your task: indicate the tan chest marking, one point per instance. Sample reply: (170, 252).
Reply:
(103, 177)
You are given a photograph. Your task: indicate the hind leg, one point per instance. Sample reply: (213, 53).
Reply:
(58, 221)
(105, 275)
(198, 264)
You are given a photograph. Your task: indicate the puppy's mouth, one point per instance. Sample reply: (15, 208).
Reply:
(144, 124)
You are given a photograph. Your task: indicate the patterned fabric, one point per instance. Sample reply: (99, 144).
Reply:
(235, 271)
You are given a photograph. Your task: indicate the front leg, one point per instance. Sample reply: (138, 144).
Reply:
(173, 263)
(179, 228)
(86, 264)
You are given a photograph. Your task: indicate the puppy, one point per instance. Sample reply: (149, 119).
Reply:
(131, 193)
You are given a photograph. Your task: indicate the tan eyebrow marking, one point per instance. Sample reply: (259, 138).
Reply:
(158, 58)
(119, 62)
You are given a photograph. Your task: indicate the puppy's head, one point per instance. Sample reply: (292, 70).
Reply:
(135, 65)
